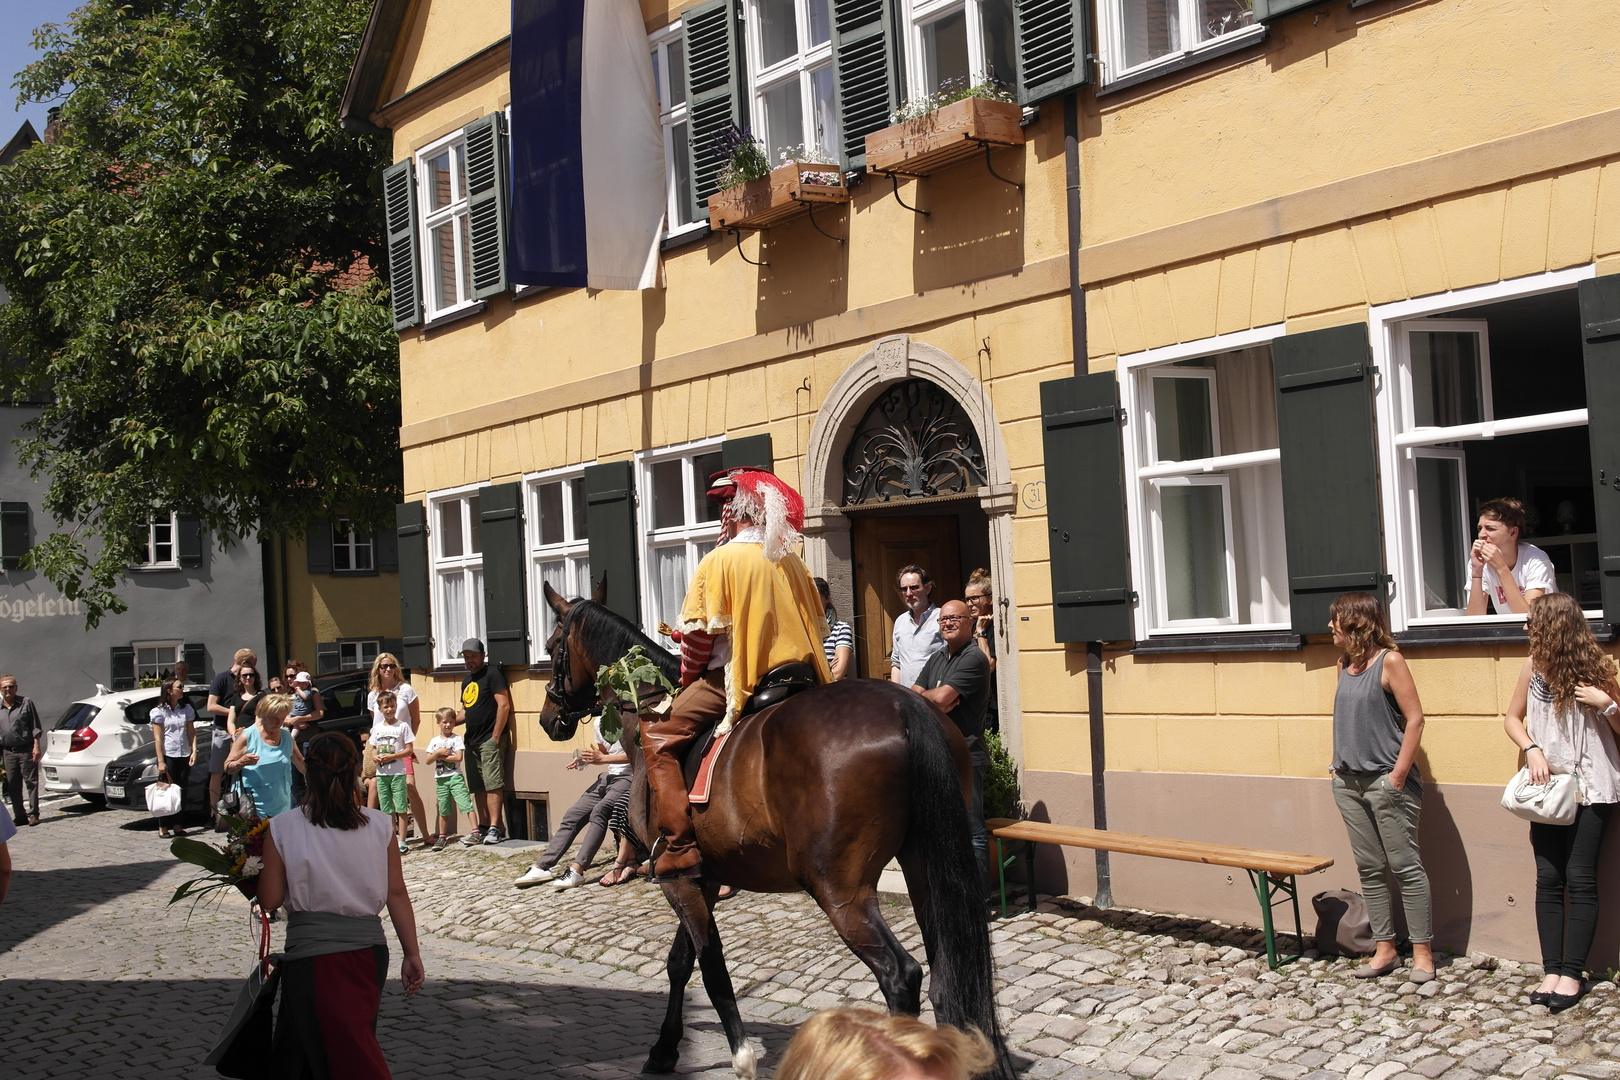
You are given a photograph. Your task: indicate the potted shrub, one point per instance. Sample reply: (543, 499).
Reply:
(754, 195)
(944, 128)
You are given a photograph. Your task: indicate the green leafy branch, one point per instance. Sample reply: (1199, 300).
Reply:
(622, 682)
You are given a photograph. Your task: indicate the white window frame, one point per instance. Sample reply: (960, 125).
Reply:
(176, 647)
(1396, 439)
(672, 114)
(1142, 471)
(1111, 39)
(802, 67)
(354, 542)
(151, 562)
(358, 647)
(469, 564)
(1161, 597)
(1419, 585)
(696, 536)
(918, 14)
(574, 550)
(428, 219)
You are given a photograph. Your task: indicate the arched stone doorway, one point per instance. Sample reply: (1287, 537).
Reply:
(975, 491)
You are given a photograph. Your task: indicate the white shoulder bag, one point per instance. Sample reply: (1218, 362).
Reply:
(1553, 803)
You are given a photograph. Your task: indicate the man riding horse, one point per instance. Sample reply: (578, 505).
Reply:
(752, 608)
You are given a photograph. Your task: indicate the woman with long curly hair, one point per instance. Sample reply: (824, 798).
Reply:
(332, 863)
(1377, 725)
(1563, 718)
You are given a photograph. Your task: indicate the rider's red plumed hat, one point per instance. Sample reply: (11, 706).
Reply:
(751, 494)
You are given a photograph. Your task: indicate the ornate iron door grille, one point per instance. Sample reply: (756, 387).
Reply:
(914, 442)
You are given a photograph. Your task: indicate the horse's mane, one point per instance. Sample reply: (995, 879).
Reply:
(607, 636)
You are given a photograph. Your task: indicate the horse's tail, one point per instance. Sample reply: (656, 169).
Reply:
(961, 981)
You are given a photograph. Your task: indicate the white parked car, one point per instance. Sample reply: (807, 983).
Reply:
(97, 730)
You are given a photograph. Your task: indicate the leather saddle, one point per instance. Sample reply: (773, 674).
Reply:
(777, 685)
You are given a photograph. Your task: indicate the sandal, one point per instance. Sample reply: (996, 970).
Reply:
(621, 873)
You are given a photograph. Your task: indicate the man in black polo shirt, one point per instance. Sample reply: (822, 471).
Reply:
(486, 706)
(222, 696)
(957, 679)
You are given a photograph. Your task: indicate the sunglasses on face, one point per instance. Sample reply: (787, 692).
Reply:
(387, 667)
(952, 620)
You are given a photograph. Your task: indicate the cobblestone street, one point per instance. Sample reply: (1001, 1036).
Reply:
(98, 977)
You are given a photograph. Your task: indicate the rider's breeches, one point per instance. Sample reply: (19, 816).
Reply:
(664, 740)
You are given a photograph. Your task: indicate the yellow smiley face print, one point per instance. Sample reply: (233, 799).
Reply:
(469, 695)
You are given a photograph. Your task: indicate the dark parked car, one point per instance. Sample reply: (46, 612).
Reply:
(343, 695)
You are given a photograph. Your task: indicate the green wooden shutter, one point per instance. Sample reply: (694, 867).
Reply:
(189, 541)
(506, 625)
(1600, 333)
(404, 279)
(610, 514)
(123, 667)
(1085, 510)
(1054, 38)
(318, 547)
(1329, 469)
(196, 658)
(1266, 10)
(385, 551)
(415, 624)
(754, 450)
(486, 203)
(866, 61)
(13, 534)
(713, 90)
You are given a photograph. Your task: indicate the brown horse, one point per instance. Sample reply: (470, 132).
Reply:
(815, 794)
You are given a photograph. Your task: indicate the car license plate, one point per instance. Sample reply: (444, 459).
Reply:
(115, 791)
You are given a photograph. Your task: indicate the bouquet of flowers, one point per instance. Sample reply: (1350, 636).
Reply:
(235, 864)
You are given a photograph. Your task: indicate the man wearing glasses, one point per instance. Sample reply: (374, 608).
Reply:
(916, 633)
(957, 679)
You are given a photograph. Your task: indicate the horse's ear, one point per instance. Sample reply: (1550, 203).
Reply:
(555, 599)
(599, 594)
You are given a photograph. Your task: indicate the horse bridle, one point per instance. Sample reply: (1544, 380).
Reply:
(574, 704)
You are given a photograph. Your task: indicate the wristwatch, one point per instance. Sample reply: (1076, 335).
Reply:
(1614, 707)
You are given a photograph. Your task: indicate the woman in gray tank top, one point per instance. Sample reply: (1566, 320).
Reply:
(1377, 723)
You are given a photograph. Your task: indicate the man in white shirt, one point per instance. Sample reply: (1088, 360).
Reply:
(1501, 569)
(916, 632)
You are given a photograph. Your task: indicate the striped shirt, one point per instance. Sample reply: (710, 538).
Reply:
(838, 633)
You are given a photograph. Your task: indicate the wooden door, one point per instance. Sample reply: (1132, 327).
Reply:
(882, 545)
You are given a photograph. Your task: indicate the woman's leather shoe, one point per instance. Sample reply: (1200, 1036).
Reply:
(1539, 997)
(1559, 1002)
(1419, 975)
(1371, 971)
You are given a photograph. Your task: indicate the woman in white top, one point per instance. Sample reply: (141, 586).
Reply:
(332, 864)
(385, 675)
(1563, 717)
(176, 742)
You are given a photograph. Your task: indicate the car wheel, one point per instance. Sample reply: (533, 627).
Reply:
(93, 798)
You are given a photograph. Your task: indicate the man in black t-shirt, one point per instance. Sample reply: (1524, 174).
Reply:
(486, 706)
(957, 679)
(222, 696)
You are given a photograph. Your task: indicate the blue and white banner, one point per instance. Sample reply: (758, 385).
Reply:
(587, 149)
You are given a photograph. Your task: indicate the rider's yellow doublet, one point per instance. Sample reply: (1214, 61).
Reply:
(771, 611)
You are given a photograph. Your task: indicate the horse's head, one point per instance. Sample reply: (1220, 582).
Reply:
(571, 694)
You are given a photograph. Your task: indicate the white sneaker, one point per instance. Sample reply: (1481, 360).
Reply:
(571, 880)
(537, 875)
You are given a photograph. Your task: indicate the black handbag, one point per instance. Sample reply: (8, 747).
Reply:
(243, 1049)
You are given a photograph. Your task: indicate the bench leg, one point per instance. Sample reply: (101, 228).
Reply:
(1267, 889)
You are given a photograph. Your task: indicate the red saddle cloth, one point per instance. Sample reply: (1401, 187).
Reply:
(699, 794)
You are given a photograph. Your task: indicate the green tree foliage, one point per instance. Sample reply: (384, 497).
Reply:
(189, 270)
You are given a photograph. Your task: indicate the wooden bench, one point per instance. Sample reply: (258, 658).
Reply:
(1272, 873)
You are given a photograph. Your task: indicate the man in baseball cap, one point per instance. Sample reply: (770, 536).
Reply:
(486, 707)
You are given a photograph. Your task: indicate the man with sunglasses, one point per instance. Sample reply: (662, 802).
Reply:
(222, 698)
(957, 679)
(916, 633)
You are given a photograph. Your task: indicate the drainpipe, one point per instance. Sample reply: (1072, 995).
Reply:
(1077, 326)
(286, 606)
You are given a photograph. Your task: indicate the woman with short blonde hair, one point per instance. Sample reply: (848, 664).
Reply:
(267, 755)
(863, 1044)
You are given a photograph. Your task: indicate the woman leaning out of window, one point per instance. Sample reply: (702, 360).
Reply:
(175, 737)
(1377, 723)
(1563, 717)
(332, 864)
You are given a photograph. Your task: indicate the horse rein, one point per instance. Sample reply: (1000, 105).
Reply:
(573, 704)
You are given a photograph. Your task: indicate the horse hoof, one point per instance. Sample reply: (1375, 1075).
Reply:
(744, 1063)
(660, 1063)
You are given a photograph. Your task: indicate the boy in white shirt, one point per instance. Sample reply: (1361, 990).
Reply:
(392, 740)
(1500, 568)
(444, 752)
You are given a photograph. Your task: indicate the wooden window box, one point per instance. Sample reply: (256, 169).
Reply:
(773, 199)
(945, 136)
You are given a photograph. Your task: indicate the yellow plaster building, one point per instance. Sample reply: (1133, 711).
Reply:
(1339, 273)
